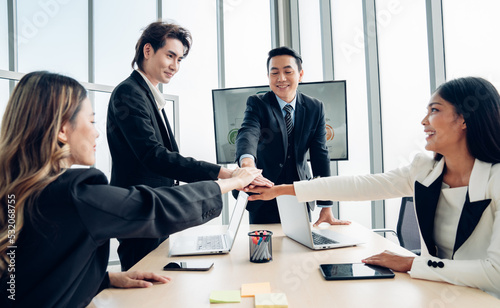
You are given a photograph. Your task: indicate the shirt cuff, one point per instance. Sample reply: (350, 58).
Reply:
(245, 156)
(322, 203)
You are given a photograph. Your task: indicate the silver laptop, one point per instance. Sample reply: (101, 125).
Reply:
(296, 225)
(181, 244)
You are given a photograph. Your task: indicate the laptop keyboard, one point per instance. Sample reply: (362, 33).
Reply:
(322, 240)
(209, 242)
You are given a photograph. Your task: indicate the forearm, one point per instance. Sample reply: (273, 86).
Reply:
(224, 173)
(392, 184)
(143, 211)
(285, 189)
(186, 169)
(247, 162)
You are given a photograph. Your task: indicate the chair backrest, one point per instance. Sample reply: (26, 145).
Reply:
(407, 228)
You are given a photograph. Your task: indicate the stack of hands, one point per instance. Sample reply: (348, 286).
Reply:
(264, 189)
(250, 179)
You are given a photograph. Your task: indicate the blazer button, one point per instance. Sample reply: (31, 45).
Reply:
(440, 264)
(281, 165)
(429, 263)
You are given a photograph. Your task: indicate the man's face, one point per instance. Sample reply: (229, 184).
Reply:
(161, 66)
(284, 77)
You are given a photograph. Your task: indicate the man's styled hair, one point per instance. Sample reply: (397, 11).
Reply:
(156, 34)
(280, 51)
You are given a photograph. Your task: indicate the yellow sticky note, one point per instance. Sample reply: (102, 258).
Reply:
(228, 296)
(271, 300)
(250, 289)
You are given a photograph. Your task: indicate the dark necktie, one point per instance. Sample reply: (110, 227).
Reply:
(288, 118)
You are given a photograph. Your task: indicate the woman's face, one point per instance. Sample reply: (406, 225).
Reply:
(445, 129)
(81, 136)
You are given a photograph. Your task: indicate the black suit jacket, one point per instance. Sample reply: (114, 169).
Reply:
(263, 134)
(62, 252)
(143, 150)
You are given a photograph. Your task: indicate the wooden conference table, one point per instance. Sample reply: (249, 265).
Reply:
(295, 272)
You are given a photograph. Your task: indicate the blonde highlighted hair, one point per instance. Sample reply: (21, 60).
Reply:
(31, 157)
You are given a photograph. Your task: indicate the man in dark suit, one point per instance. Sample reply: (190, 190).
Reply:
(141, 141)
(278, 129)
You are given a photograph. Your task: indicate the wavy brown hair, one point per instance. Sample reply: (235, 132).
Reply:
(31, 157)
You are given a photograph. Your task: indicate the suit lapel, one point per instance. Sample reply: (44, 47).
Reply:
(140, 80)
(278, 114)
(426, 199)
(299, 119)
(475, 202)
(170, 135)
(471, 214)
(427, 196)
(168, 142)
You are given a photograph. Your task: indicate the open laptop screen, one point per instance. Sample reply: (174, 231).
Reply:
(235, 220)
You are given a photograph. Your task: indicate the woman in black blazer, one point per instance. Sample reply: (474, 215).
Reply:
(56, 222)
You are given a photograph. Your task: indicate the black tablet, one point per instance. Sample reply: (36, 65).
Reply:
(349, 271)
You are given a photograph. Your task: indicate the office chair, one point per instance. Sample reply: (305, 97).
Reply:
(407, 227)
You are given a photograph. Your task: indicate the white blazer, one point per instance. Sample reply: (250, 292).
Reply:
(476, 259)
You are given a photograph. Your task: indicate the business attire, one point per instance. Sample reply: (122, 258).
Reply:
(144, 151)
(63, 249)
(280, 155)
(459, 227)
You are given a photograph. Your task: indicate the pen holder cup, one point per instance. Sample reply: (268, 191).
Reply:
(261, 249)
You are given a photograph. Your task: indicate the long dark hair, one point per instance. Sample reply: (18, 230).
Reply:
(477, 100)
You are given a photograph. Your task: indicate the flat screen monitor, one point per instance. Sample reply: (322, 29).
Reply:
(229, 109)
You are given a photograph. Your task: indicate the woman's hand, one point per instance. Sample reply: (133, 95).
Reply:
(239, 179)
(135, 279)
(391, 260)
(261, 181)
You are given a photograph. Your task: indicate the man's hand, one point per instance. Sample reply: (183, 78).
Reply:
(326, 215)
(391, 260)
(135, 279)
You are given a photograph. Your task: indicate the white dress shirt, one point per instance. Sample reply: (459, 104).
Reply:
(158, 96)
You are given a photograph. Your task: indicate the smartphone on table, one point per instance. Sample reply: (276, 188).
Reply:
(192, 265)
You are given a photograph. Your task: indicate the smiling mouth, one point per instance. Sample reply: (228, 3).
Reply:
(429, 134)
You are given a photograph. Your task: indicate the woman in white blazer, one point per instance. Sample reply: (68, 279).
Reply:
(456, 193)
